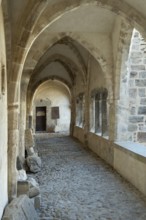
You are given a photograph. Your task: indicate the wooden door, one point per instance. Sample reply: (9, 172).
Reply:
(41, 118)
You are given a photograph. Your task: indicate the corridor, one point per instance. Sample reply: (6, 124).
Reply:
(77, 185)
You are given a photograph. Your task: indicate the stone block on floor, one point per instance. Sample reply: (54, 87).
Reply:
(21, 208)
(34, 163)
(22, 187)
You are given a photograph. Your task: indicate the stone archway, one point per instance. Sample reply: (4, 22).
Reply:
(33, 26)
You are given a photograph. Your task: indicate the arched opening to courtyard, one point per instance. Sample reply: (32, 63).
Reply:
(132, 102)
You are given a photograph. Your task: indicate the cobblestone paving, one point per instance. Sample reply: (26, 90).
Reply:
(77, 185)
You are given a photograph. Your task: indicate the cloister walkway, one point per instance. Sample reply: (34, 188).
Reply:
(77, 185)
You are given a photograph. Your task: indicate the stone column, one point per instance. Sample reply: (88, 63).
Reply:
(13, 137)
(87, 114)
(87, 101)
(112, 120)
(104, 113)
(97, 112)
(13, 140)
(30, 121)
(73, 113)
(86, 117)
(22, 121)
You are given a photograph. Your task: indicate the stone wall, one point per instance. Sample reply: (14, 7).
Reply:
(137, 88)
(3, 121)
(131, 107)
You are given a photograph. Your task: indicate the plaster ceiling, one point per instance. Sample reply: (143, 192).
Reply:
(139, 5)
(52, 85)
(87, 18)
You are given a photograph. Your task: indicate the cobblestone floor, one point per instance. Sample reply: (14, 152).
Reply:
(77, 185)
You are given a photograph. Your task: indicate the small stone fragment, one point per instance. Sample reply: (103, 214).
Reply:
(34, 163)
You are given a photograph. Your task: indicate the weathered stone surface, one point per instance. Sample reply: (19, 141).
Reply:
(22, 187)
(29, 187)
(136, 54)
(136, 60)
(142, 74)
(132, 127)
(34, 189)
(30, 151)
(37, 202)
(133, 110)
(29, 142)
(140, 83)
(141, 137)
(131, 83)
(34, 163)
(143, 101)
(142, 110)
(133, 93)
(135, 47)
(138, 67)
(21, 208)
(133, 74)
(21, 175)
(144, 61)
(136, 119)
(19, 164)
(142, 92)
(32, 182)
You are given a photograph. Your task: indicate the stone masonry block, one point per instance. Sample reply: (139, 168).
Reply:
(133, 74)
(138, 67)
(142, 74)
(136, 54)
(29, 142)
(133, 110)
(132, 127)
(136, 60)
(133, 93)
(136, 119)
(140, 83)
(22, 187)
(131, 83)
(21, 208)
(142, 92)
(142, 110)
(141, 137)
(37, 202)
(143, 101)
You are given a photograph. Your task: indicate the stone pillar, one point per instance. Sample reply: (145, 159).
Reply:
(87, 101)
(91, 113)
(104, 113)
(112, 120)
(22, 121)
(98, 112)
(73, 113)
(13, 140)
(87, 114)
(29, 141)
(30, 121)
(86, 117)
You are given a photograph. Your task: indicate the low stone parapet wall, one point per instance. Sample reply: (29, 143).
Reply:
(130, 162)
(127, 158)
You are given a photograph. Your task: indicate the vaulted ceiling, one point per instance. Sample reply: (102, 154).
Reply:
(54, 38)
